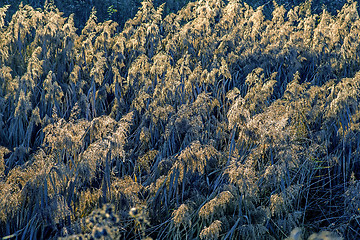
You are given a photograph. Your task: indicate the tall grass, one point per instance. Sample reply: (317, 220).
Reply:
(215, 122)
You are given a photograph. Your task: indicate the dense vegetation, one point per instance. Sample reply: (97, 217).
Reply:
(122, 10)
(212, 122)
(117, 10)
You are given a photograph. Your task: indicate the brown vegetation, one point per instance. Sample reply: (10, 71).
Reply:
(211, 123)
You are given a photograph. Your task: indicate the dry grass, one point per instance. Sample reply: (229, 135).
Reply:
(214, 122)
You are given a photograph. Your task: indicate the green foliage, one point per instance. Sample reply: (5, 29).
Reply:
(217, 122)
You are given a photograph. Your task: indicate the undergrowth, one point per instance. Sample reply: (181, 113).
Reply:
(214, 122)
